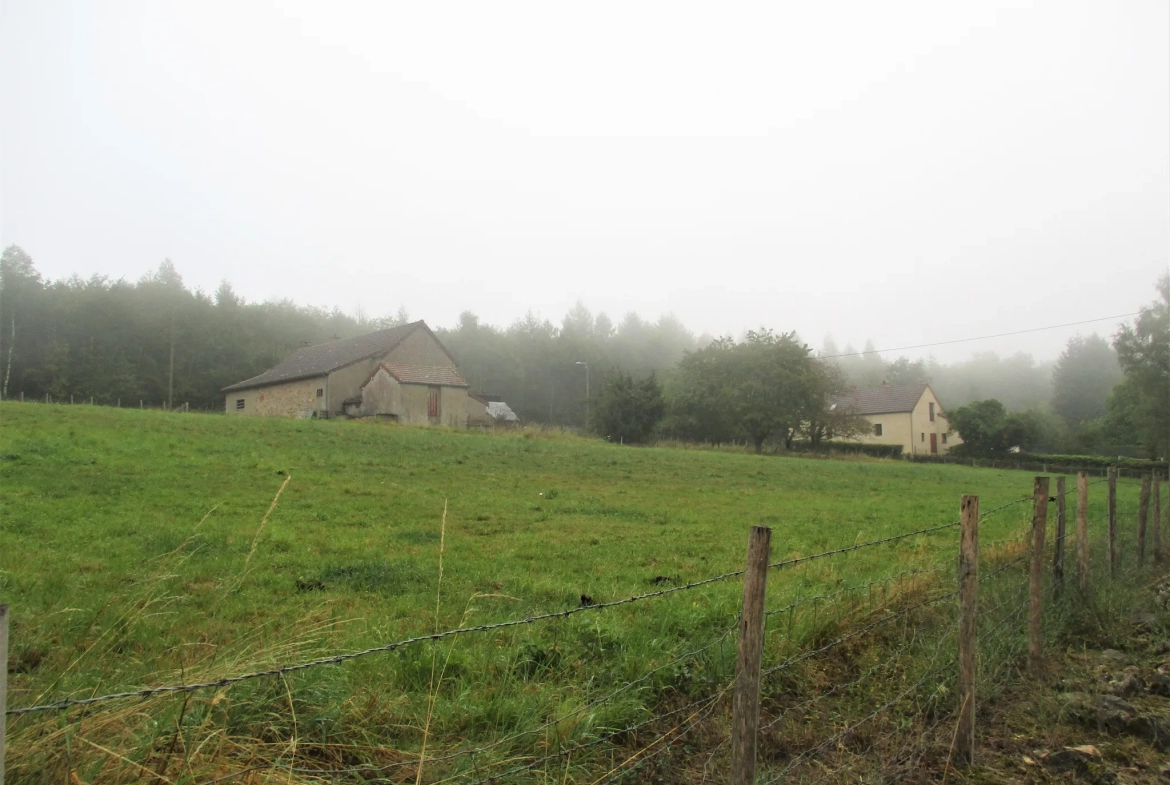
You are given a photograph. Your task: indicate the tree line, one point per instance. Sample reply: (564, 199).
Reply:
(1108, 397)
(158, 340)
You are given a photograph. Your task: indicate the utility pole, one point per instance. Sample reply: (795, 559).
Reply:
(171, 374)
(579, 362)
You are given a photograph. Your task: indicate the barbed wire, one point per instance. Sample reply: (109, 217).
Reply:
(839, 736)
(885, 540)
(337, 659)
(692, 722)
(373, 769)
(856, 587)
(602, 739)
(147, 692)
(856, 633)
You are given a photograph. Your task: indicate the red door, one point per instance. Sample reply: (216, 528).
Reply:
(933, 443)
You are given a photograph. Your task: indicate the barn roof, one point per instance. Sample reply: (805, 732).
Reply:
(887, 399)
(323, 358)
(423, 374)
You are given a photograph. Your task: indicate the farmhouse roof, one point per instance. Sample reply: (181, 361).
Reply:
(887, 399)
(323, 358)
(423, 374)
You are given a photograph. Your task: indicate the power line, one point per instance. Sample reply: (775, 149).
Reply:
(977, 338)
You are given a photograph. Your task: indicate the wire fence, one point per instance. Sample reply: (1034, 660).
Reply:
(863, 671)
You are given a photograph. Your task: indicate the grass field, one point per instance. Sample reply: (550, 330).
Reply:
(133, 554)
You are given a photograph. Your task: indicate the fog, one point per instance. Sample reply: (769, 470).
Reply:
(906, 173)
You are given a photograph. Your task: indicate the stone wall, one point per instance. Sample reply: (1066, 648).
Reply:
(292, 399)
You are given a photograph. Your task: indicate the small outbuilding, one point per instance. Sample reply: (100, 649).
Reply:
(489, 410)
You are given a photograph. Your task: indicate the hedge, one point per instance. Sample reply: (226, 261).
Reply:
(875, 450)
(1050, 462)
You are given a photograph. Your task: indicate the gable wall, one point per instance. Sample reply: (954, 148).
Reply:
(419, 348)
(383, 395)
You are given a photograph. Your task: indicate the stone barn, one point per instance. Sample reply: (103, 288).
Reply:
(403, 374)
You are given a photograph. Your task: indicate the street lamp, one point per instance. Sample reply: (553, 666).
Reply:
(581, 362)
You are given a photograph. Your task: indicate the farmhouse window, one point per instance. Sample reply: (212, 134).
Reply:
(239, 403)
(877, 429)
(944, 437)
(320, 392)
(932, 411)
(924, 436)
(433, 401)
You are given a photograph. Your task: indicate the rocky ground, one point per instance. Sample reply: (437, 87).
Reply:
(1099, 713)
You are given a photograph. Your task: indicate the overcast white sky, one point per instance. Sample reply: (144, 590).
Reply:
(906, 172)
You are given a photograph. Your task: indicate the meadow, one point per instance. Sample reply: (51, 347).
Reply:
(143, 548)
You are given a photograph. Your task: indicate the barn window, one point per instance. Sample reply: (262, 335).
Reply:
(433, 401)
(877, 429)
(239, 403)
(320, 392)
(932, 411)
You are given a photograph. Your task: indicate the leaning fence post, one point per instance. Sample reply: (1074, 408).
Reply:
(1039, 522)
(1143, 515)
(1157, 518)
(1083, 532)
(1113, 555)
(745, 704)
(3, 682)
(968, 588)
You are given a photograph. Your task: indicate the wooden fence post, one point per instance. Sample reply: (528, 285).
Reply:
(968, 589)
(1058, 545)
(1143, 517)
(1039, 523)
(745, 704)
(1157, 518)
(1083, 532)
(3, 682)
(1113, 555)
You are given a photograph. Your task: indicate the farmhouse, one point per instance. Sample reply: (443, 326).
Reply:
(909, 415)
(403, 374)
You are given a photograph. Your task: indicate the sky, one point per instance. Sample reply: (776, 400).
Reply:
(901, 172)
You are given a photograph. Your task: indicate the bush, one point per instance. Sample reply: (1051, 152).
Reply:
(875, 450)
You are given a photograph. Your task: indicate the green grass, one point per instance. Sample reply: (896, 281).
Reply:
(126, 533)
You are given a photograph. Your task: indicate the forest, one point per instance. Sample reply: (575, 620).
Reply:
(160, 342)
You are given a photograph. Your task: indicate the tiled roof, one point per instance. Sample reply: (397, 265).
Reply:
(425, 374)
(886, 399)
(321, 359)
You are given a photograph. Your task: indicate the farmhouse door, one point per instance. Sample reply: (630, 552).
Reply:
(933, 443)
